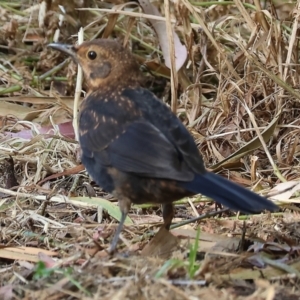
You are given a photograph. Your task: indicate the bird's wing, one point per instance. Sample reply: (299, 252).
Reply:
(144, 150)
(158, 114)
(139, 148)
(103, 119)
(135, 132)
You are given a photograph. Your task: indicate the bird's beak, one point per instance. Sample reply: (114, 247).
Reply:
(67, 49)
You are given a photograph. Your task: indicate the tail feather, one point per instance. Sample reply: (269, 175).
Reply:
(228, 193)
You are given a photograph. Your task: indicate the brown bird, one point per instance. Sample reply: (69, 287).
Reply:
(133, 145)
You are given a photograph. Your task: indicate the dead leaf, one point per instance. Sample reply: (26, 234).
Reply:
(11, 180)
(19, 111)
(24, 253)
(6, 292)
(249, 147)
(162, 245)
(65, 129)
(284, 190)
(161, 31)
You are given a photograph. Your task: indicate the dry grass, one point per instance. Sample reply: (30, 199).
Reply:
(238, 95)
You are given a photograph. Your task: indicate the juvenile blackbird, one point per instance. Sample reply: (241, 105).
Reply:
(134, 146)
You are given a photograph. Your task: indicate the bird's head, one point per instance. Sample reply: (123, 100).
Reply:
(104, 63)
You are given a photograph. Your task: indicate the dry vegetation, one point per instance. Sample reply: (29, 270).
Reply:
(238, 95)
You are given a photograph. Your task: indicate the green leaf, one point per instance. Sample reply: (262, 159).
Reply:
(112, 209)
(41, 271)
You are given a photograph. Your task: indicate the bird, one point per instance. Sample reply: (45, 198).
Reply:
(135, 147)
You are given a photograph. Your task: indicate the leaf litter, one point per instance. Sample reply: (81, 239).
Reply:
(238, 96)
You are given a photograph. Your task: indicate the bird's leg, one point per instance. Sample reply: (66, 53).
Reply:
(115, 240)
(124, 204)
(168, 214)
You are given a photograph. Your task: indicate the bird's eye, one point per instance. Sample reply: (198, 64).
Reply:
(92, 55)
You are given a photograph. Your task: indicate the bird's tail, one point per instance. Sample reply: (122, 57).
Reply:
(228, 193)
